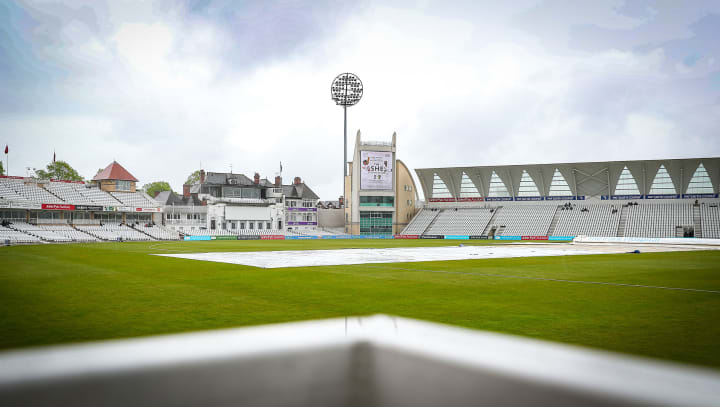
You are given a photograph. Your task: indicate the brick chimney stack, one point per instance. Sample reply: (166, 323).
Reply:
(257, 178)
(278, 181)
(186, 191)
(202, 176)
(340, 200)
(297, 181)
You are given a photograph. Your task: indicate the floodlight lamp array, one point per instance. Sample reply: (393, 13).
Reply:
(346, 89)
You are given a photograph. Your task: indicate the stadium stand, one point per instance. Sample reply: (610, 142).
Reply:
(114, 232)
(658, 220)
(99, 197)
(30, 192)
(710, 220)
(421, 221)
(81, 194)
(461, 222)
(524, 220)
(158, 232)
(14, 236)
(134, 199)
(588, 220)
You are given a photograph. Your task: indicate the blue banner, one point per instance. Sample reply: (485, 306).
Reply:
(335, 237)
(529, 198)
(662, 196)
(499, 198)
(699, 196)
(508, 237)
(198, 238)
(620, 197)
(300, 237)
(561, 237)
(564, 198)
(457, 237)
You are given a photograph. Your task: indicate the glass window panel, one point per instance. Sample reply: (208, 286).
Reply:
(439, 189)
(662, 184)
(558, 185)
(626, 184)
(497, 187)
(527, 186)
(700, 182)
(468, 188)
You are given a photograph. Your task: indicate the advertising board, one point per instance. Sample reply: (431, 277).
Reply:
(272, 237)
(376, 170)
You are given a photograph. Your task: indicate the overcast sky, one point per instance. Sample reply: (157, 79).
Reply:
(164, 86)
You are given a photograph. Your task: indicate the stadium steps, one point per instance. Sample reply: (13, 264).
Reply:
(25, 232)
(554, 222)
(89, 234)
(491, 222)
(138, 230)
(697, 221)
(623, 221)
(432, 222)
(51, 193)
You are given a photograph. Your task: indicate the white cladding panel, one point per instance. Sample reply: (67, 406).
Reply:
(247, 213)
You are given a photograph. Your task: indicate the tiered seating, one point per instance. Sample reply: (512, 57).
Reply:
(525, 220)
(40, 232)
(99, 197)
(657, 220)
(114, 232)
(710, 221)
(70, 232)
(420, 222)
(134, 199)
(33, 193)
(588, 220)
(158, 232)
(7, 192)
(461, 222)
(70, 193)
(15, 236)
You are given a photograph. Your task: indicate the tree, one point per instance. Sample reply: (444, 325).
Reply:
(156, 187)
(2, 170)
(193, 178)
(59, 170)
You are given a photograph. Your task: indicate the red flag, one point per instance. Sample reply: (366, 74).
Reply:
(6, 149)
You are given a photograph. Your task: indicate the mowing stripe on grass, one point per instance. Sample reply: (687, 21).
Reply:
(550, 279)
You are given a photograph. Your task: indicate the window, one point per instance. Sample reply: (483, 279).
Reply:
(409, 203)
(497, 187)
(376, 222)
(252, 225)
(377, 201)
(626, 184)
(232, 225)
(268, 226)
(527, 186)
(122, 185)
(260, 225)
(242, 225)
(662, 184)
(468, 188)
(558, 185)
(700, 182)
(307, 204)
(439, 189)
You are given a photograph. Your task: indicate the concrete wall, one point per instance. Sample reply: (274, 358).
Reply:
(331, 218)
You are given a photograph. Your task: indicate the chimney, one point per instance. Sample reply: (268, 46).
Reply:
(297, 181)
(186, 191)
(202, 176)
(278, 181)
(257, 178)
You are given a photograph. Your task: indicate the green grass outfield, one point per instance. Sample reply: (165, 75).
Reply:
(53, 294)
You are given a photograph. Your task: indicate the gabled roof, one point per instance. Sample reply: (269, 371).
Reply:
(299, 191)
(114, 171)
(168, 198)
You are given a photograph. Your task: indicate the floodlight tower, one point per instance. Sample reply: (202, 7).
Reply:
(346, 90)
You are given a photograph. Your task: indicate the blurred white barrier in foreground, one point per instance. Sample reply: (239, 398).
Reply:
(373, 361)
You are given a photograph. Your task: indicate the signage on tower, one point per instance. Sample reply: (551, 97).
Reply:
(376, 170)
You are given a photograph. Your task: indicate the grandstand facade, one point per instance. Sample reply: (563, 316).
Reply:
(648, 198)
(110, 207)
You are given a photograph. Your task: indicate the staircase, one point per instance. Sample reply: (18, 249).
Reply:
(697, 221)
(554, 222)
(430, 225)
(623, 221)
(491, 222)
(132, 226)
